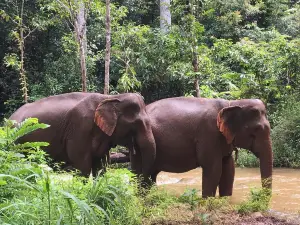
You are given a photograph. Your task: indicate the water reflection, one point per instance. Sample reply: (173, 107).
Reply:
(286, 185)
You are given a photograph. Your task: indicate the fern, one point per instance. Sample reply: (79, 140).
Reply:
(27, 145)
(27, 126)
(11, 132)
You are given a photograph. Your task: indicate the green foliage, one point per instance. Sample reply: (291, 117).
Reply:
(157, 201)
(286, 135)
(116, 192)
(31, 193)
(10, 133)
(215, 203)
(247, 159)
(128, 43)
(19, 163)
(245, 49)
(69, 199)
(258, 201)
(191, 197)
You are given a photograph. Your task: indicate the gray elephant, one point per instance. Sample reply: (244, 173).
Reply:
(193, 132)
(84, 126)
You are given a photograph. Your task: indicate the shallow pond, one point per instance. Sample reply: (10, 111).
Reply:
(286, 186)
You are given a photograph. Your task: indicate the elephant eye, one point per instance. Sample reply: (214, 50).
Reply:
(131, 110)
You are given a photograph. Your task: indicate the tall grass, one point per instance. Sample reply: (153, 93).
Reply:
(31, 193)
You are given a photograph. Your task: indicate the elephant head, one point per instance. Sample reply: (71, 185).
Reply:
(244, 124)
(124, 118)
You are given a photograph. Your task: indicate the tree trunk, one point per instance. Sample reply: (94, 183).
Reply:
(22, 70)
(80, 29)
(165, 15)
(107, 49)
(21, 47)
(196, 81)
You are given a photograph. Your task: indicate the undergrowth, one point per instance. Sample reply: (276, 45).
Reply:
(257, 202)
(32, 193)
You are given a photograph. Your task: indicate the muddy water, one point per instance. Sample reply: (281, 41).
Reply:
(286, 186)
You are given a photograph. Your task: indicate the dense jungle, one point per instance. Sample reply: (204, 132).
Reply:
(234, 49)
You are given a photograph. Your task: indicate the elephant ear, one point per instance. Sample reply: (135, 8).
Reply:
(106, 115)
(228, 122)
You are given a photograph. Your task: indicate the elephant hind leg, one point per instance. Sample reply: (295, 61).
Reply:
(210, 179)
(79, 158)
(154, 176)
(227, 177)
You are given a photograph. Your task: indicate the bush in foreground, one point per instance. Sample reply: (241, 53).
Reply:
(31, 193)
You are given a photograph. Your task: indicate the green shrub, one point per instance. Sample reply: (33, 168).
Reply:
(191, 197)
(258, 201)
(157, 201)
(63, 198)
(117, 193)
(286, 136)
(246, 159)
(20, 163)
(215, 203)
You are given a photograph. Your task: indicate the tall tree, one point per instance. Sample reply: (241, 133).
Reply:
(80, 30)
(23, 26)
(107, 48)
(165, 15)
(75, 12)
(193, 10)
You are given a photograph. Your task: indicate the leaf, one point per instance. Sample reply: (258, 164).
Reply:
(2, 182)
(87, 211)
(27, 126)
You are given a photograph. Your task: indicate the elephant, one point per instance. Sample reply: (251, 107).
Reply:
(84, 126)
(200, 132)
(119, 157)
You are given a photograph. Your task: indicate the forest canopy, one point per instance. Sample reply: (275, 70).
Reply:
(243, 49)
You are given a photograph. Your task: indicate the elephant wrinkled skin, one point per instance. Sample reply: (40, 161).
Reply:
(192, 132)
(84, 126)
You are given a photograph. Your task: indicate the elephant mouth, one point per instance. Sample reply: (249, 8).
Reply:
(249, 147)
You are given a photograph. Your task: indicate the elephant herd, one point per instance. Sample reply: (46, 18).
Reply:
(172, 135)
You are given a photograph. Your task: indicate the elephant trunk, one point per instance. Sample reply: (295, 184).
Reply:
(265, 154)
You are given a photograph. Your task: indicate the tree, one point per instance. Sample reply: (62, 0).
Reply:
(107, 48)
(165, 15)
(80, 30)
(22, 30)
(193, 31)
(75, 12)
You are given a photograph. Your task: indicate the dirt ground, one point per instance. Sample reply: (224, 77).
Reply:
(182, 215)
(232, 220)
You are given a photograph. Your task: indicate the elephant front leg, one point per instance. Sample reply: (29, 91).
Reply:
(227, 177)
(135, 161)
(79, 157)
(210, 179)
(99, 164)
(137, 168)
